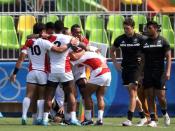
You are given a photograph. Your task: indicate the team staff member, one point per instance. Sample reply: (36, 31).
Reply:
(156, 49)
(130, 44)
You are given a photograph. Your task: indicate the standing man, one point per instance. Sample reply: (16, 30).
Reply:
(130, 44)
(156, 49)
(100, 79)
(79, 70)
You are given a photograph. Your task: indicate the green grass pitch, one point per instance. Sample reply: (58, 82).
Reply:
(110, 124)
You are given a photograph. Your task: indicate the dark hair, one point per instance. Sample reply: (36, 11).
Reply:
(129, 22)
(38, 28)
(74, 26)
(50, 25)
(59, 25)
(153, 23)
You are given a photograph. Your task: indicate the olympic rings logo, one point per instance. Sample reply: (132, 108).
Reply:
(4, 82)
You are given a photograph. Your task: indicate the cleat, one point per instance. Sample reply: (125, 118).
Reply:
(152, 124)
(45, 123)
(39, 122)
(87, 122)
(24, 121)
(142, 122)
(127, 123)
(166, 119)
(75, 122)
(99, 123)
(66, 122)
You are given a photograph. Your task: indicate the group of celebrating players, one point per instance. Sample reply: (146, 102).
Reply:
(60, 60)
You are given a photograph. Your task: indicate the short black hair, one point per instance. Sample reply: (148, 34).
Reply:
(59, 25)
(129, 22)
(38, 28)
(153, 23)
(74, 26)
(50, 25)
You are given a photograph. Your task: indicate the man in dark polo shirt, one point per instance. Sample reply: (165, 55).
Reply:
(155, 50)
(131, 67)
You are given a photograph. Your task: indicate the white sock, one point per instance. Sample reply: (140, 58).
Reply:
(40, 105)
(88, 115)
(25, 107)
(100, 114)
(73, 115)
(45, 116)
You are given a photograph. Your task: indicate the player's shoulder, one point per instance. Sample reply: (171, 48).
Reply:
(139, 36)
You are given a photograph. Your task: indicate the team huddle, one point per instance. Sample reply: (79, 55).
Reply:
(58, 60)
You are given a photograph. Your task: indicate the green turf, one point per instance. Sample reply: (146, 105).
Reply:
(110, 124)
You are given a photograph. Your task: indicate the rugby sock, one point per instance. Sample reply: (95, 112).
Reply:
(164, 111)
(130, 115)
(100, 114)
(152, 115)
(45, 116)
(88, 115)
(40, 104)
(25, 107)
(73, 115)
(142, 114)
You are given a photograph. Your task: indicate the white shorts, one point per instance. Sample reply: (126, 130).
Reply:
(101, 80)
(79, 72)
(37, 77)
(60, 77)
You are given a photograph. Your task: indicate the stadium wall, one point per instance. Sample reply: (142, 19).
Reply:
(116, 97)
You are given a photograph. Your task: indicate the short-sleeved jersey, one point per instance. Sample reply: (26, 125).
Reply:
(94, 61)
(131, 48)
(36, 49)
(154, 51)
(60, 62)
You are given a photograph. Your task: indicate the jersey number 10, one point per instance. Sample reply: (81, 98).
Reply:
(35, 50)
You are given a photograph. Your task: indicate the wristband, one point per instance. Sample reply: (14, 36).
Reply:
(15, 71)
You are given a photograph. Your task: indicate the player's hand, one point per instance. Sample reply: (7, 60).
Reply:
(61, 110)
(13, 78)
(167, 76)
(98, 51)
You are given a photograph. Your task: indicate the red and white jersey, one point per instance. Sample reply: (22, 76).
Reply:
(36, 49)
(60, 62)
(96, 62)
